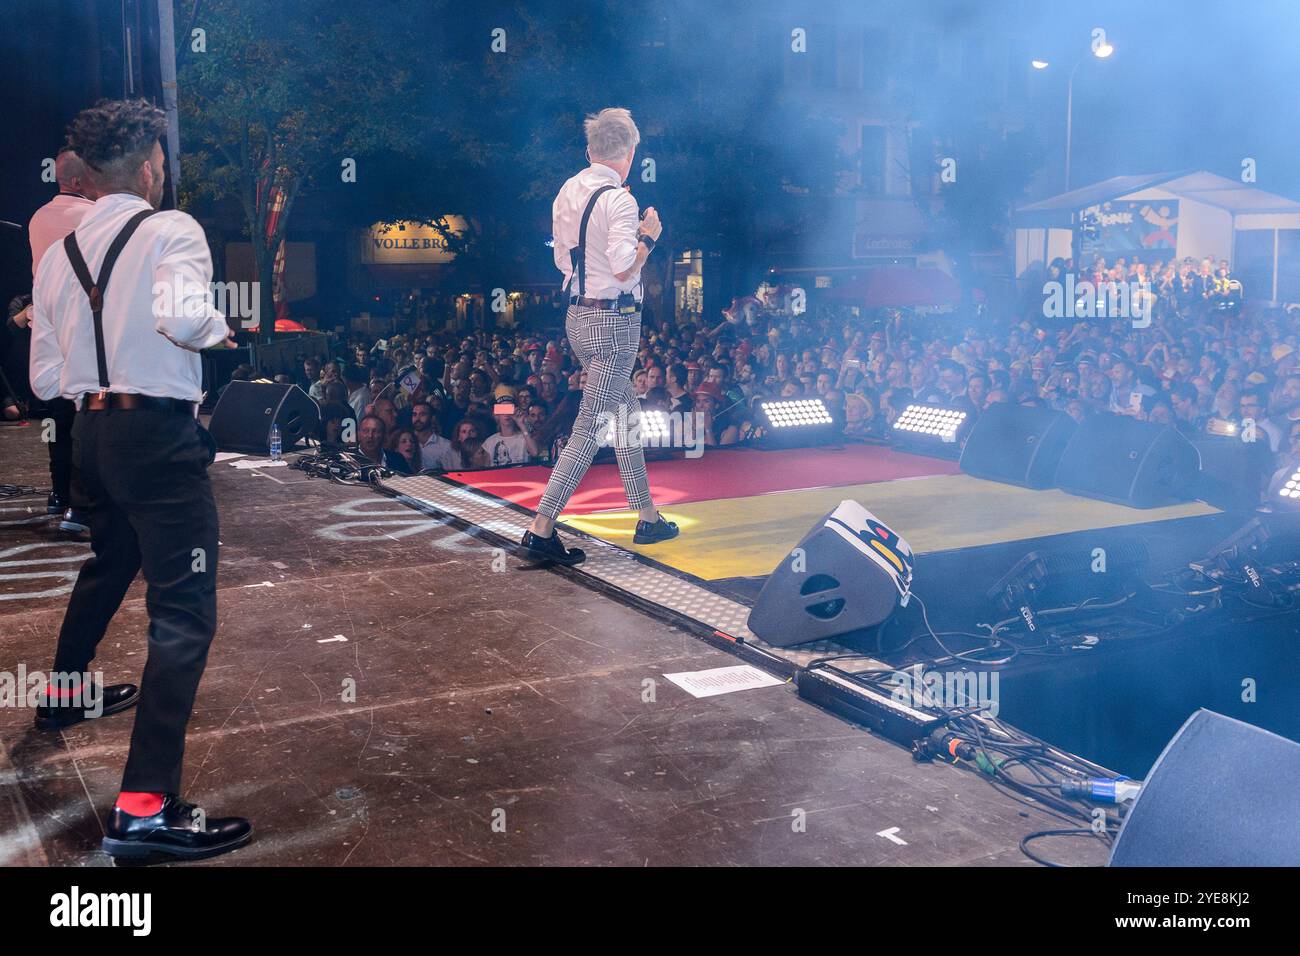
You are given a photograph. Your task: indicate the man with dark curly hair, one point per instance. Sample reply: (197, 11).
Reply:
(128, 355)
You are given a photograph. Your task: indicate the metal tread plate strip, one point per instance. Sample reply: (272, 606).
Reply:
(614, 568)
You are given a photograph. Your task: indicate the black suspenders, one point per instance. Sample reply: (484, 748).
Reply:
(95, 289)
(578, 254)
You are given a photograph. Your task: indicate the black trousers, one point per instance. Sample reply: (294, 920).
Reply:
(62, 411)
(149, 500)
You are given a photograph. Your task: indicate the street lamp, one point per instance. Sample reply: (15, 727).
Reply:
(1101, 52)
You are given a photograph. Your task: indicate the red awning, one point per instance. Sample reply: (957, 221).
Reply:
(899, 287)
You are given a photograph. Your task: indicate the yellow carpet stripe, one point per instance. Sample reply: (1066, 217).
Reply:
(744, 537)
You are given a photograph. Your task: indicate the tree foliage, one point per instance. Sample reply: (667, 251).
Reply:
(275, 96)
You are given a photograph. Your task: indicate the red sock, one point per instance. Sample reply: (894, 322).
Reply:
(139, 804)
(61, 692)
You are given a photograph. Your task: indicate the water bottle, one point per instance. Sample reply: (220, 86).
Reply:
(275, 442)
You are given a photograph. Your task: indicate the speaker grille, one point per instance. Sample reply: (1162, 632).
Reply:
(1017, 445)
(1129, 462)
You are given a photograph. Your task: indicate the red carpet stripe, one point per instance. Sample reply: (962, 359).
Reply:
(720, 473)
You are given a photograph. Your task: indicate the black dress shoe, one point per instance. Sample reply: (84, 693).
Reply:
(178, 830)
(75, 521)
(54, 505)
(551, 549)
(652, 532)
(56, 716)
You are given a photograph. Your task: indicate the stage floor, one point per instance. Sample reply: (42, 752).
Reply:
(742, 511)
(967, 534)
(478, 690)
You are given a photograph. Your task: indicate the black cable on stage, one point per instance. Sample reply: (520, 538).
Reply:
(342, 468)
(1023, 768)
(998, 771)
(1039, 834)
(21, 491)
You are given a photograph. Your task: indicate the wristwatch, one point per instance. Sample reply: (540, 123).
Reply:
(649, 242)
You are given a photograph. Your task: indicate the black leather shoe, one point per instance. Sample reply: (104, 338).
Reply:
(75, 521)
(117, 697)
(54, 505)
(178, 830)
(652, 532)
(551, 549)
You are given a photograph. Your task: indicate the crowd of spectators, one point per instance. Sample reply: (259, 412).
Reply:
(455, 401)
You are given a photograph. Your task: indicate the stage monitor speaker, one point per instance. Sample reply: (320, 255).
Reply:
(1234, 473)
(218, 365)
(1130, 462)
(1017, 444)
(246, 410)
(1223, 793)
(848, 573)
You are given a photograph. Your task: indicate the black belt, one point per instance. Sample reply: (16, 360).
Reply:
(609, 305)
(98, 402)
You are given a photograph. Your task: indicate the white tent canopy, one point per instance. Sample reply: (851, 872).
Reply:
(1258, 232)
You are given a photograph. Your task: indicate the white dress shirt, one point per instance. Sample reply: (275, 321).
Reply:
(141, 308)
(611, 233)
(53, 221)
(431, 452)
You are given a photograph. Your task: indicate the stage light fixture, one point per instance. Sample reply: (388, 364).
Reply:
(655, 430)
(933, 429)
(1286, 489)
(795, 422)
(788, 414)
(654, 424)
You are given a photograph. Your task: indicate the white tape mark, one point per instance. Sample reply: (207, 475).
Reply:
(891, 836)
(382, 514)
(69, 576)
(82, 548)
(81, 551)
(333, 640)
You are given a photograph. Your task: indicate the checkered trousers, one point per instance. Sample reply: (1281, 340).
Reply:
(606, 343)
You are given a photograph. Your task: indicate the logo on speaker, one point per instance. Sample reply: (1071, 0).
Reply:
(885, 541)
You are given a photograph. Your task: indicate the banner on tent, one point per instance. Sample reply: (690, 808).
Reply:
(1111, 229)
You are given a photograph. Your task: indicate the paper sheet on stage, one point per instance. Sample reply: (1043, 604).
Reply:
(723, 680)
